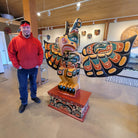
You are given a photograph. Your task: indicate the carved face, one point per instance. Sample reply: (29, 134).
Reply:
(69, 43)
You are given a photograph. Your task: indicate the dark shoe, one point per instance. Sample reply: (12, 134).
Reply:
(22, 108)
(36, 99)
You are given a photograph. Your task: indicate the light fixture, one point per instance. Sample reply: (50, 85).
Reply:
(38, 14)
(64, 6)
(93, 22)
(115, 20)
(11, 21)
(78, 6)
(49, 13)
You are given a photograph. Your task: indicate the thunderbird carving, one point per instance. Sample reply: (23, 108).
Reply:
(99, 59)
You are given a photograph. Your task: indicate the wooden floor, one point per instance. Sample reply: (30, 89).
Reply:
(113, 111)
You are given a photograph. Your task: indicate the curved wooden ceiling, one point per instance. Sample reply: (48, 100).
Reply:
(91, 10)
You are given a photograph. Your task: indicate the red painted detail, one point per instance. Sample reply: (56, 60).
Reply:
(55, 49)
(88, 68)
(48, 47)
(49, 55)
(68, 47)
(70, 95)
(62, 111)
(97, 67)
(108, 49)
(52, 59)
(57, 61)
(119, 47)
(107, 64)
(74, 31)
(64, 40)
(81, 99)
(116, 59)
(59, 71)
(89, 49)
(69, 73)
(76, 65)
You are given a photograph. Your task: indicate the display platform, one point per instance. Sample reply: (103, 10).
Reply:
(76, 107)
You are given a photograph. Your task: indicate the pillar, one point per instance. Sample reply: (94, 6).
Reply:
(29, 10)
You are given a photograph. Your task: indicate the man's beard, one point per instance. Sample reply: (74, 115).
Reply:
(26, 35)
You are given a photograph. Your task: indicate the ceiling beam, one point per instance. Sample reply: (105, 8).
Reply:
(4, 20)
(95, 22)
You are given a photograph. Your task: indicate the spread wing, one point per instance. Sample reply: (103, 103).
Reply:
(106, 58)
(52, 54)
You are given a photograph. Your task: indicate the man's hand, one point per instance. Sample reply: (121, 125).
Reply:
(37, 66)
(20, 67)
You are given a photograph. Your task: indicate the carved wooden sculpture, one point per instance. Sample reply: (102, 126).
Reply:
(99, 59)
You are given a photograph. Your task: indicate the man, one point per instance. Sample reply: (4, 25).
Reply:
(26, 54)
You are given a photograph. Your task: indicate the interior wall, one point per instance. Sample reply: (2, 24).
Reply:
(90, 29)
(53, 34)
(116, 29)
(114, 32)
(83, 39)
(13, 28)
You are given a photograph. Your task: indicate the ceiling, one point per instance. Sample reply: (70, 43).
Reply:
(91, 10)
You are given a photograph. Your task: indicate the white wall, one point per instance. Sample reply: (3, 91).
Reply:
(114, 34)
(1, 65)
(53, 34)
(83, 39)
(90, 29)
(3, 48)
(116, 29)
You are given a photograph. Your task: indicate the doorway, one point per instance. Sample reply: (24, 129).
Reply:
(3, 49)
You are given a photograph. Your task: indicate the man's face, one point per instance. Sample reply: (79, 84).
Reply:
(26, 31)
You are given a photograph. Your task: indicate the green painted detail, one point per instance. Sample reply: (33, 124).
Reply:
(73, 60)
(114, 46)
(104, 59)
(100, 46)
(56, 47)
(58, 57)
(73, 38)
(112, 55)
(73, 55)
(54, 56)
(87, 63)
(51, 53)
(78, 70)
(74, 73)
(95, 61)
(50, 46)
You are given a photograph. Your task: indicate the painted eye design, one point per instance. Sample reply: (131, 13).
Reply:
(74, 39)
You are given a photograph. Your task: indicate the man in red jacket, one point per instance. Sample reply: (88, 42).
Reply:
(26, 54)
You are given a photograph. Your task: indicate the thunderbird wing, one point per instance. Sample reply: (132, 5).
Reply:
(52, 54)
(106, 58)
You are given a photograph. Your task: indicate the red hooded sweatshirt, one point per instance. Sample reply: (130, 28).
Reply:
(25, 52)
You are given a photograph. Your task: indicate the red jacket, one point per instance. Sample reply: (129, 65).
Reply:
(25, 52)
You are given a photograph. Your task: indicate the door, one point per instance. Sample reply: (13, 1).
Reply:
(3, 49)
